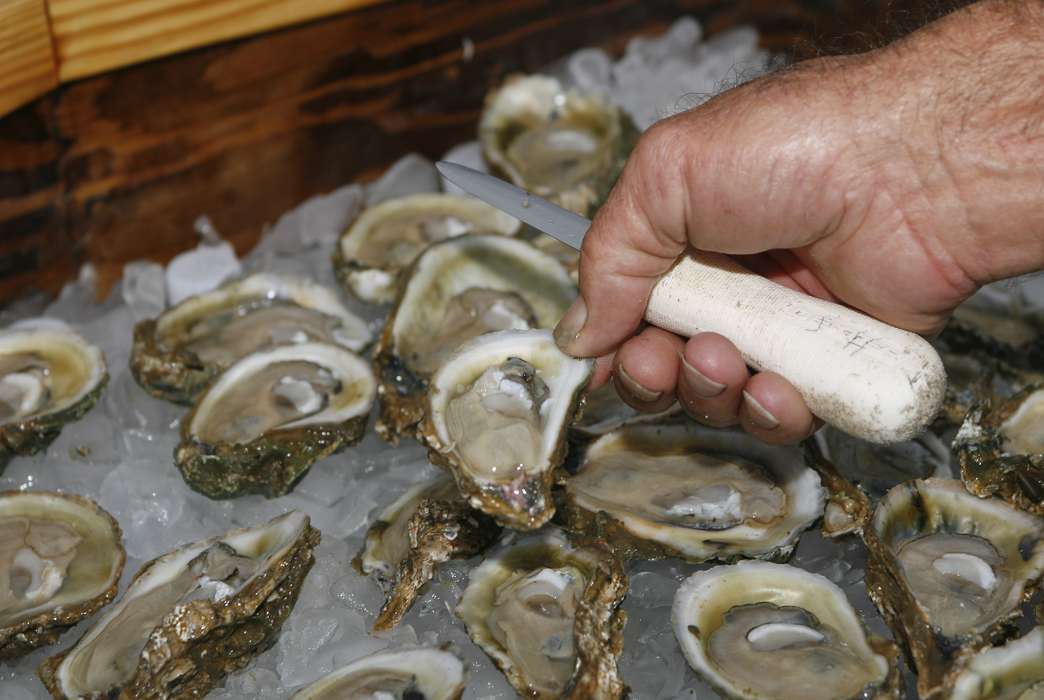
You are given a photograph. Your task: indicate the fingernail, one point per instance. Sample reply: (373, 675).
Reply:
(759, 415)
(571, 324)
(700, 384)
(635, 389)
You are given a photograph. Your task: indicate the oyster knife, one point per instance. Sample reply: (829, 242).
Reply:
(872, 380)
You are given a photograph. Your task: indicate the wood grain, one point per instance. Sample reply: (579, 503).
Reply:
(27, 66)
(93, 36)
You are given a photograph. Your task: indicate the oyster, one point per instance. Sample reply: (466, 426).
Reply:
(49, 376)
(424, 527)
(404, 674)
(177, 354)
(373, 253)
(878, 468)
(604, 412)
(498, 414)
(262, 424)
(697, 493)
(949, 571)
(558, 144)
(546, 612)
(1001, 451)
(457, 290)
(190, 617)
(1014, 671)
(999, 333)
(60, 560)
(757, 630)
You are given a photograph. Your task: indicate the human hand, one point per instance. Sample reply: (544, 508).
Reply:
(896, 182)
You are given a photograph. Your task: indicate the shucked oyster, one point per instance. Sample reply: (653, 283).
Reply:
(1014, 671)
(49, 376)
(698, 493)
(387, 238)
(190, 617)
(403, 674)
(949, 571)
(1001, 451)
(270, 416)
(761, 631)
(498, 414)
(177, 354)
(60, 560)
(558, 144)
(546, 612)
(604, 412)
(459, 289)
(424, 527)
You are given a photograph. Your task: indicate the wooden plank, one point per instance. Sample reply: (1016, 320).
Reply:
(93, 36)
(27, 66)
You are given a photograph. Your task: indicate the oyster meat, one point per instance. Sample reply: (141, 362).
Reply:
(61, 558)
(459, 289)
(698, 493)
(557, 143)
(1014, 671)
(177, 354)
(190, 617)
(949, 571)
(1001, 451)
(498, 414)
(424, 527)
(49, 376)
(404, 674)
(385, 240)
(760, 631)
(546, 612)
(270, 416)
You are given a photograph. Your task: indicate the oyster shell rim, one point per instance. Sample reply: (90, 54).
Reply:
(388, 658)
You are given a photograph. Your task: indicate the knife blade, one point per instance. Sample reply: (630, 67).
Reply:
(872, 380)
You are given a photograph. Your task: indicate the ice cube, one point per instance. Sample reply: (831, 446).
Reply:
(200, 270)
(144, 289)
(411, 174)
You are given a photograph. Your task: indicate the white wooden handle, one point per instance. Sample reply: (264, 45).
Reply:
(867, 378)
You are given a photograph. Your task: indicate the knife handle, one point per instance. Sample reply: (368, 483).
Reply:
(863, 376)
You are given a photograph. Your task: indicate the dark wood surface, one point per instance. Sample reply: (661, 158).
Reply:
(116, 167)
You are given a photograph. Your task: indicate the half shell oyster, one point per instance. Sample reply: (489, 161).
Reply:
(546, 612)
(404, 674)
(697, 493)
(49, 376)
(178, 353)
(190, 617)
(61, 558)
(949, 571)
(756, 630)
(270, 416)
(1014, 671)
(498, 415)
(558, 144)
(385, 240)
(459, 289)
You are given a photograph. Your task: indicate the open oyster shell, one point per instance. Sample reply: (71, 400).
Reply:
(190, 617)
(498, 414)
(456, 290)
(177, 354)
(61, 557)
(949, 571)
(1014, 671)
(270, 416)
(424, 527)
(1002, 334)
(385, 240)
(49, 376)
(410, 674)
(759, 631)
(546, 612)
(604, 411)
(680, 489)
(556, 143)
(1001, 450)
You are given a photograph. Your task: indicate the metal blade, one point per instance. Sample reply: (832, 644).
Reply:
(539, 213)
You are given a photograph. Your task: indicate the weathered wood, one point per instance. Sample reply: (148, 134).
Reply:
(27, 66)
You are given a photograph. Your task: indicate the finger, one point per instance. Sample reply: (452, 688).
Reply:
(646, 369)
(711, 380)
(773, 410)
(626, 251)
